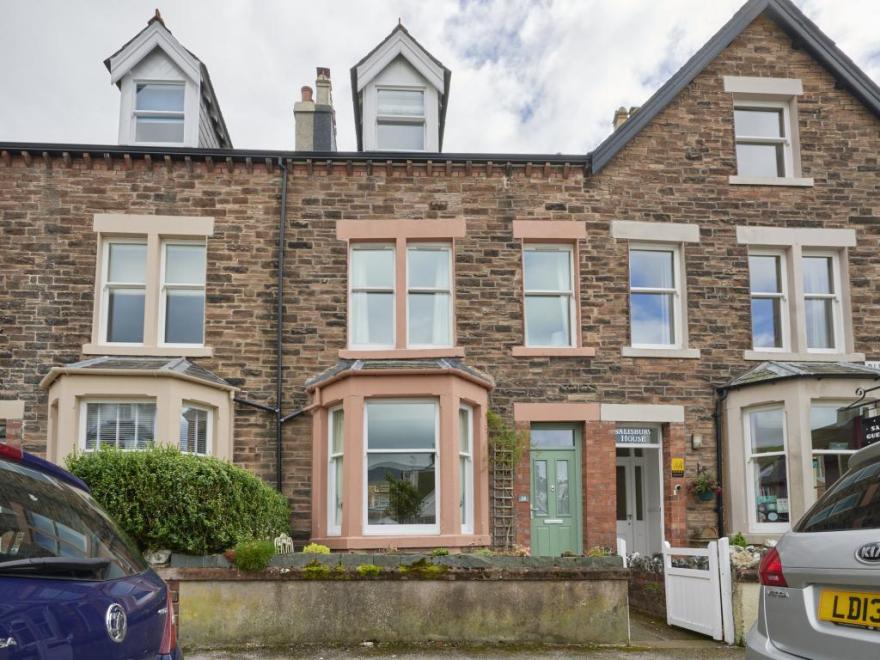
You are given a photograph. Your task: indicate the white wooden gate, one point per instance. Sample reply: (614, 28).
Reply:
(700, 599)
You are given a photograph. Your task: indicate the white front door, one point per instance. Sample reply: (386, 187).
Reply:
(632, 518)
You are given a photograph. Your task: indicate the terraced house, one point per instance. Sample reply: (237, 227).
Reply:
(695, 296)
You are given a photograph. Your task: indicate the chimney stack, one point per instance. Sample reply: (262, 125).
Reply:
(315, 118)
(620, 117)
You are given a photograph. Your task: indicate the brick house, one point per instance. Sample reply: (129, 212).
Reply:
(695, 295)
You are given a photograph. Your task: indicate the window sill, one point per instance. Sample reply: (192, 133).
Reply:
(397, 541)
(553, 351)
(803, 357)
(400, 353)
(682, 353)
(157, 351)
(794, 182)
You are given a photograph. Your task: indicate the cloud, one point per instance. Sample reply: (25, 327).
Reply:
(528, 76)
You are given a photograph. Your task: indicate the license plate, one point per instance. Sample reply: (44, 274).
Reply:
(853, 608)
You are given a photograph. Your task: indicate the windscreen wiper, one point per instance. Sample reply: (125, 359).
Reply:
(60, 566)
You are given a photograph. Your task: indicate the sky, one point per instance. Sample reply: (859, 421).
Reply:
(528, 76)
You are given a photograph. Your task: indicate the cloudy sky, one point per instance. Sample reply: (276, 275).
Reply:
(529, 76)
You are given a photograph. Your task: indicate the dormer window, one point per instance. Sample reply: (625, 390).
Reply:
(158, 113)
(400, 119)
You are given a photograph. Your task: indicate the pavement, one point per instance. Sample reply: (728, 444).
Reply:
(650, 640)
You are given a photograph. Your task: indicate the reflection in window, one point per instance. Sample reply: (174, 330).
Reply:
(766, 279)
(834, 436)
(767, 464)
(653, 297)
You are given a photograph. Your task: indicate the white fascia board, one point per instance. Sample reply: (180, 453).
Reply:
(786, 236)
(154, 37)
(400, 44)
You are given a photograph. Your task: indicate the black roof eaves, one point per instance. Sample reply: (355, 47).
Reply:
(790, 19)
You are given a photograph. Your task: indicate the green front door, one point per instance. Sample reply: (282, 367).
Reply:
(556, 490)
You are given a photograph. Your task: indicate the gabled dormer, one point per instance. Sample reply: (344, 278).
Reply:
(166, 94)
(400, 94)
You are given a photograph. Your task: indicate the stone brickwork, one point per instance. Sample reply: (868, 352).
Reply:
(676, 170)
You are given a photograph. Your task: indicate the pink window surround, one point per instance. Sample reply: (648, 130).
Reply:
(450, 389)
(400, 233)
(565, 232)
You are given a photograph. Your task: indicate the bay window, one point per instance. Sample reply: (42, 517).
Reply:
(120, 424)
(466, 467)
(821, 301)
(655, 297)
(429, 297)
(767, 277)
(335, 479)
(124, 291)
(195, 429)
(182, 310)
(372, 296)
(767, 471)
(548, 274)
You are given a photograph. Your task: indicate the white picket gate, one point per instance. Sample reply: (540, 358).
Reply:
(700, 599)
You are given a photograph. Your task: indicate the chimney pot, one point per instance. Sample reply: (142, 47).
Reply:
(306, 93)
(323, 72)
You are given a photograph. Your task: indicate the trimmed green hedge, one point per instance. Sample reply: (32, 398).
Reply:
(181, 502)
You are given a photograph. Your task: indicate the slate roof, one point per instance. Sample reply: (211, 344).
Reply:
(432, 364)
(772, 371)
(147, 365)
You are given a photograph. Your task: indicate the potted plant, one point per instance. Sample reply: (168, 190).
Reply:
(704, 486)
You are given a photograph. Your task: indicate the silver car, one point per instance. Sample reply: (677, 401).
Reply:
(820, 593)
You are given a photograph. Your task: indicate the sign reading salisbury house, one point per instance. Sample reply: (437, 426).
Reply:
(635, 436)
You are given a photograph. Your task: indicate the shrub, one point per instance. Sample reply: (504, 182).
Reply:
(316, 571)
(368, 570)
(181, 502)
(738, 539)
(254, 555)
(439, 552)
(316, 549)
(599, 551)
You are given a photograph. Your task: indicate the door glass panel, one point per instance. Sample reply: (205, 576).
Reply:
(621, 493)
(622, 453)
(639, 495)
(541, 488)
(562, 497)
(552, 438)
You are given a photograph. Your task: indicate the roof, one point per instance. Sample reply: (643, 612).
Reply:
(369, 367)
(206, 87)
(355, 87)
(134, 366)
(767, 372)
(803, 32)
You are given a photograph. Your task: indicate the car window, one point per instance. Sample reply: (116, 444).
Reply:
(853, 502)
(41, 516)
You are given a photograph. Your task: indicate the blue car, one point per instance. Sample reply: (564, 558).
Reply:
(72, 585)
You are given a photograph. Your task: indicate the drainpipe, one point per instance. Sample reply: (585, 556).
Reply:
(720, 396)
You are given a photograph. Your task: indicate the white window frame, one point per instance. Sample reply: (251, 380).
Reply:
(467, 506)
(675, 290)
(334, 529)
(784, 320)
(835, 297)
(209, 427)
(402, 530)
(410, 289)
(751, 502)
(572, 297)
(83, 417)
(135, 113)
(785, 140)
(821, 403)
(352, 290)
(106, 286)
(164, 287)
(402, 119)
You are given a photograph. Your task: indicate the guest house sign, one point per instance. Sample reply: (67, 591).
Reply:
(634, 435)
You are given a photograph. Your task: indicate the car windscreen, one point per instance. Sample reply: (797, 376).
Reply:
(853, 502)
(42, 517)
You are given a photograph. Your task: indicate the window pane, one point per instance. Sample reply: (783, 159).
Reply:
(771, 490)
(396, 425)
(125, 315)
(552, 438)
(621, 493)
(464, 431)
(337, 424)
(372, 269)
(766, 323)
(820, 323)
(429, 319)
(758, 123)
(401, 102)
(152, 96)
(651, 269)
(652, 318)
(128, 263)
(193, 430)
(340, 484)
(401, 489)
(401, 136)
(540, 503)
(827, 469)
(547, 270)
(184, 317)
(851, 503)
(817, 275)
(834, 429)
(184, 264)
(766, 430)
(159, 129)
(548, 321)
(463, 474)
(764, 274)
(765, 160)
(428, 268)
(563, 507)
(372, 319)
(123, 425)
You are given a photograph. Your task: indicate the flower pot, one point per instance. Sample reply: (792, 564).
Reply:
(706, 496)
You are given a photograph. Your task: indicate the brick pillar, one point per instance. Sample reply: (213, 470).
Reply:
(599, 485)
(522, 485)
(674, 504)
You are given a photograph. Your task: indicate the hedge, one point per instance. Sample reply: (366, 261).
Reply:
(181, 502)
